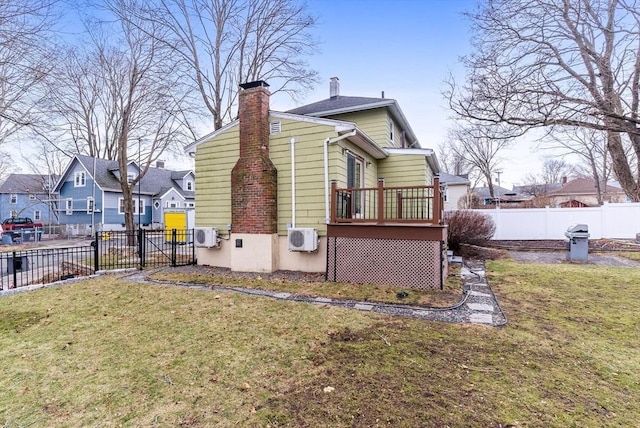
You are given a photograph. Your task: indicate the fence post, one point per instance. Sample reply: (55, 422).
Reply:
(380, 200)
(142, 238)
(15, 271)
(193, 245)
(437, 201)
(96, 253)
(334, 202)
(174, 233)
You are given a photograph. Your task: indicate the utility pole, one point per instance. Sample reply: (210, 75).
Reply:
(498, 172)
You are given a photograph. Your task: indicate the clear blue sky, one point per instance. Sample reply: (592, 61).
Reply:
(406, 48)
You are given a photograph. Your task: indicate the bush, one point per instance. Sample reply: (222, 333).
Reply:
(468, 227)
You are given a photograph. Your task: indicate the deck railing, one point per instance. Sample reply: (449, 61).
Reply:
(408, 204)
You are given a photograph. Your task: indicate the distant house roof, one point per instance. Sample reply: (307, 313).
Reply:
(537, 189)
(582, 186)
(503, 194)
(27, 183)
(155, 182)
(340, 104)
(453, 180)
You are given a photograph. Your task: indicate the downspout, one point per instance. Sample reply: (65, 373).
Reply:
(293, 182)
(328, 141)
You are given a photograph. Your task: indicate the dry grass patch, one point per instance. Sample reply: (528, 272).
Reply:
(633, 255)
(450, 295)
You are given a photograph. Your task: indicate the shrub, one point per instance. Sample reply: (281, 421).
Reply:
(468, 227)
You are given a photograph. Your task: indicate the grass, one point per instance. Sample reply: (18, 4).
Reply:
(106, 352)
(450, 295)
(633, 255)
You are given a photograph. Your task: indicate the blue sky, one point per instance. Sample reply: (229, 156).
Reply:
(406, 48)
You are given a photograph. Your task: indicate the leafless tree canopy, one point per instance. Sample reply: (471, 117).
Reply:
(25, 61)
(228, 42)
(479, 147)
(539, 63)
(121, 98)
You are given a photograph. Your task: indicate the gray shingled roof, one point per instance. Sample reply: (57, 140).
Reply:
(452, 179)
(337, 104)
(156, 181)
(341, 104)
(26, 183)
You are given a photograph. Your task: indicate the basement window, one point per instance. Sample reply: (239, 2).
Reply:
(275, 127)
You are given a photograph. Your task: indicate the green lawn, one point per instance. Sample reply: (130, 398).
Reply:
(106, 352)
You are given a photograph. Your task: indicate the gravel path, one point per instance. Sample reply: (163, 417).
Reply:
(478, 304)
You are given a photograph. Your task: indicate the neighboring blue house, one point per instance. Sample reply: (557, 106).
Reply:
(90, 197)
(28, 195)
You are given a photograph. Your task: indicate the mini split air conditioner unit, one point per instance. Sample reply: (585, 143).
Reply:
(206, 237)
(302, 239)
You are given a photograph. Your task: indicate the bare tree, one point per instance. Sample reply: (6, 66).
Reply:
(554, 171)
(451, 160)
(544, 63)
(480, 147)
(590, 145)
(121, 98)
(25, 61)
(228, 42)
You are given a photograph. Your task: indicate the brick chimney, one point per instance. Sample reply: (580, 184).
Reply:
(254, 184)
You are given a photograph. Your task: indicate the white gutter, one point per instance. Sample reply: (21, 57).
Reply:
(293, 182)
(326, 170)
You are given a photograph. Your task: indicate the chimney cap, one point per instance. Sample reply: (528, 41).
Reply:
(254, 84)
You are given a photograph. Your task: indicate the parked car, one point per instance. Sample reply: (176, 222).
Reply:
(17, 226)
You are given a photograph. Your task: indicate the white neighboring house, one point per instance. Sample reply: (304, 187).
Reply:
(456, 190)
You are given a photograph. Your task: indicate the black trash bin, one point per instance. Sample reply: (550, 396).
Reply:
(18, 263)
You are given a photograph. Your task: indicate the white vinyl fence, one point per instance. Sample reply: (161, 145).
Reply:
(620, 221)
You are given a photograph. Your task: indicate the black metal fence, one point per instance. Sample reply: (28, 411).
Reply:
(108, 251)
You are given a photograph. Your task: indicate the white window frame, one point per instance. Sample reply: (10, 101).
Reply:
(13, 199)
(90, 205)
(135, 206)
(156, 204)
(68, 206)
(37, 215)
(172, 204)
(189, 186)
(357, 199)
(141, 205)
(79, 179)
(14, 213)
(32, 197)
(130, 177)
(189, 204)
(391, 132)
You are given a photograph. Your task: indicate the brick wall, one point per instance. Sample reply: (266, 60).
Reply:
(254, 178)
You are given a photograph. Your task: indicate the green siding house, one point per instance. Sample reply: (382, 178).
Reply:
(291, 190)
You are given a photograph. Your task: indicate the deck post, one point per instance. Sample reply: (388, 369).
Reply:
(334, 201)
(380, 200)
(437, 201)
